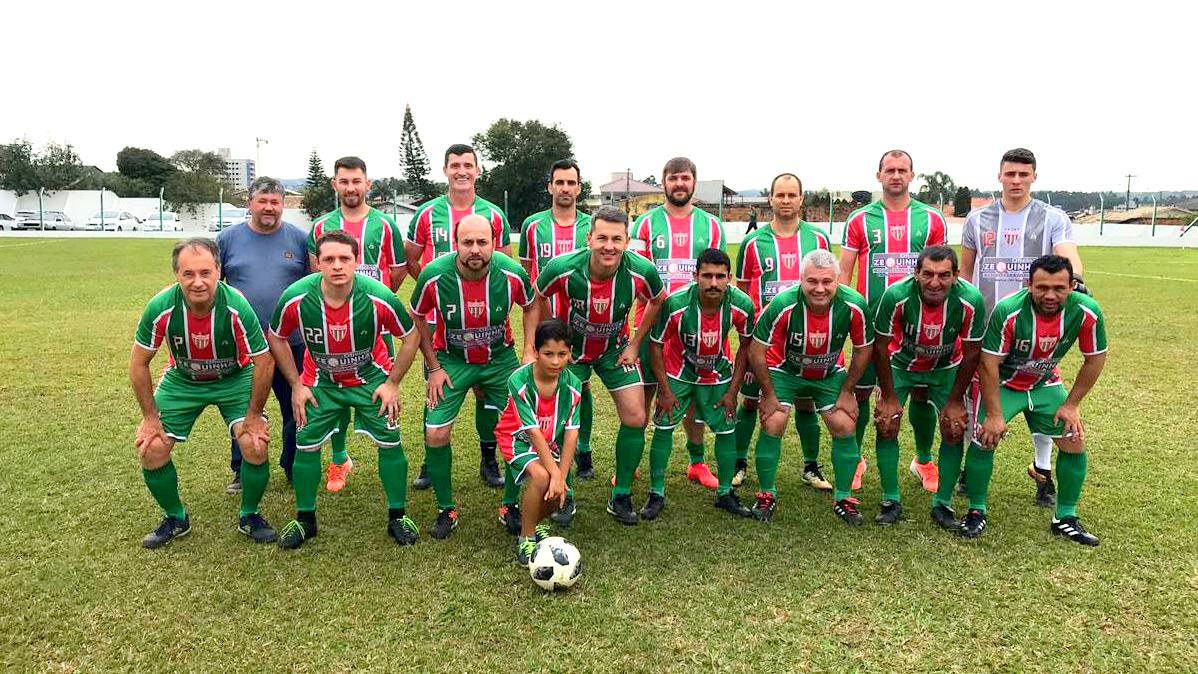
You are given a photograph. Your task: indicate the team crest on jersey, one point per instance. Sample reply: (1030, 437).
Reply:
(476, 308)
(817, 339)
(710, 339)
(338, 331)
(789, 260)
(546, 424)
(1010, 236)
(896, 231)
(601, 304)
(931, 331)
(988, 239)
(1045, 342)
(200, 340)
(564, 247)
(680, 238)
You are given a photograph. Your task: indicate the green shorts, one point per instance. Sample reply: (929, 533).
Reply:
(490, 377)
(1038, 405)
(937, 383)
(180, 401)
(614, 377)
(822, 392)
(332, 403)
(524, 454)
(647, 376)
(703, 397)
(869, 378)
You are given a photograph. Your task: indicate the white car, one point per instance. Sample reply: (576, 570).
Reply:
(112, 221)
(227, 219)
(56, 220)
(7, 221)
(166, 221)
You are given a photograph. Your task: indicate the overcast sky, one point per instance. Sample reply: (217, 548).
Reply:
(745, 89)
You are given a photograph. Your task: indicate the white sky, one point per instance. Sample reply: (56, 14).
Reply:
(745, 89)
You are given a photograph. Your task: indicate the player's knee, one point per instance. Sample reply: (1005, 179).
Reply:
(1070, 445)
(775, 424)
(840, 425)
(633, 416)
(437, 437)
(250, 453)
(537, 476)
(154, 454)
(887, 434)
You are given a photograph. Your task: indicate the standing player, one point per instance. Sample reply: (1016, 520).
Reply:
(380, 256)
(882, 241)
(1027, 335)
(691, 356)
(600, 284)
(538, 431)
(998, 245)
(796, 353)
(430, 235)
(472, 292)
(217, 357)
(929, 331)
(767, 264)
(672, 236)
(342, 316)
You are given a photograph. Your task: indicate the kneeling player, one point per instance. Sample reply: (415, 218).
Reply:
(692, 362)
(538, 432)
(213, 337)
(1027, 335)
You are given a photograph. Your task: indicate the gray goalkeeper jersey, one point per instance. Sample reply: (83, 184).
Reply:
(1007, 243)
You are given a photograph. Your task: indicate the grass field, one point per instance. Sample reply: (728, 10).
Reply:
(695, 591)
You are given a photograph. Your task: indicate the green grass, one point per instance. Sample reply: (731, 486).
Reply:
(695, 591)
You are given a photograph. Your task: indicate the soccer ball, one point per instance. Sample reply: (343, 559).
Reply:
(555, 564)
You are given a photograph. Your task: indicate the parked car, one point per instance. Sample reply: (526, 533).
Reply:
(56, 220)
(7, 221)
(112, 221)
(227, 219)
(166, 221)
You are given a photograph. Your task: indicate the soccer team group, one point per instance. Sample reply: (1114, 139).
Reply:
(961, 344)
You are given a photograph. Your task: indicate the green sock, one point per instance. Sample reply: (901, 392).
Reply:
(659, 459)
(695, 451)
(440, 466)
(254, 478)
(807, 425)
(846, 454)
(340, 455)
(511, 490)
(725, 459)
(1071, 474)
(586, 413)
(923, 422)
(164, 487)
(766, 456)
(485, 420)
(888, 459)
(862, 420)
(979, 466)
(746, 421)
(305, 479)
(950, 468)
(393, 473)
(630, 447)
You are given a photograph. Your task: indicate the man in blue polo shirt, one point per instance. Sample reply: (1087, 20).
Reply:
(261, 257)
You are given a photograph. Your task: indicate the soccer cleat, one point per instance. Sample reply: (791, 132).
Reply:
(542, 532)
(742, 472)
(525, 547)
(337, 475)
(730, 504)
(814, 477)
(846, 509)
(974, 524)
(585, 469)
(927, 473)
(1046, 491)
(422, 482)
(636, 475)
(861, 466)
(168, 530)
(891, 513)
(447, 521)
(565, 514)
(256, 527)
(764, 506)
(945, 517)
(699, 472)
(653, 506)
(488, 471)
(234, 487)
(403, 530)
(1071, 528)
(620, 507)
(295, 533)
(509, 517)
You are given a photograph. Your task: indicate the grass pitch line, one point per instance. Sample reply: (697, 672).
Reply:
(28, 243)
(1157, 278)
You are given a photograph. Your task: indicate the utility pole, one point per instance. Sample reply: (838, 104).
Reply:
(1127, 198)
(258, 155)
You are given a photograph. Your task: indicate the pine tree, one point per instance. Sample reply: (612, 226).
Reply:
(318, 193)
(414, 161)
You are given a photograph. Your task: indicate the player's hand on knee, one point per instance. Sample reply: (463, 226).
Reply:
(628, 357)
(437, 380)
(953, 420)
(888, 415)
(768, 406)
(728, 403)
(994, 430)
(556, 490)
(847, 402)
(150, 434)
(301, 397)
(1069, 415)
(387, 396)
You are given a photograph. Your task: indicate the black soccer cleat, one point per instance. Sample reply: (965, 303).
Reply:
(946, 518)
(730, 504)
(620, 507)
(1071, 528)
(295, 533)
(525, 547)
(764, 506)
(509, 517)
(891, 513)
(565, 514)
(234, 487)
(447, 521)
(974, 524)
(488, 471)
(403, 530)
(846, 509)
(585, 468)
(1046, 491)
(168, 530)
(653, 506)
(257, 528)
(422, 482)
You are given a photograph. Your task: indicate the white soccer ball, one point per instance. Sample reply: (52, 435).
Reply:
(555, 564)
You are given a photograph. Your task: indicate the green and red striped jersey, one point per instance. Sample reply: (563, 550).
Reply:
(806, 344)
(672, 244)
(473, 314)
(434, 226)
(598, 309)
(344, 343)
(542, 239)
(1033, 345)
(888, 243)
(380, 244)
(697, 347)
(204, 348)
(925, 338)
(768, 264)
(527, 408)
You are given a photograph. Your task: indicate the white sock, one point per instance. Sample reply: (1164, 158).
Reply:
(1043, 445)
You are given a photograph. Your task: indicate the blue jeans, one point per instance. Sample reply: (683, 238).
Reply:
(283, 395)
